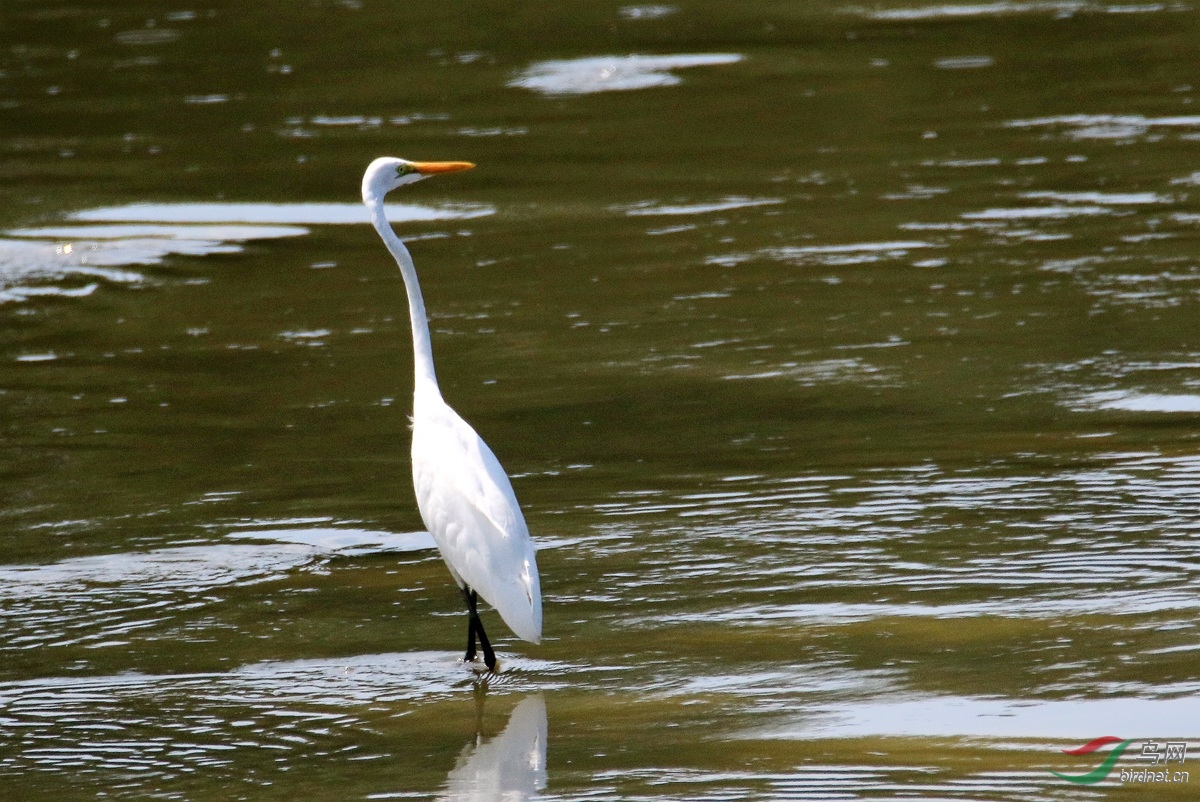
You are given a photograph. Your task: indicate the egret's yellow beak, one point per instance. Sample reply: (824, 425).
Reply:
(429, 168)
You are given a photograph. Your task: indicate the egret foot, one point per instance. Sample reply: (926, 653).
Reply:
(482, 668)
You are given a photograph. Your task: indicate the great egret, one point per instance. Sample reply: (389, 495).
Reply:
(464, 496)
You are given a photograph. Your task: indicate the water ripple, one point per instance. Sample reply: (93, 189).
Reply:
(1119, 536)
(171, 725)
(102, 600)
(1004, 8)
(94, 243)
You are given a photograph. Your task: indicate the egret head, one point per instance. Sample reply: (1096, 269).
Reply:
(386, 173)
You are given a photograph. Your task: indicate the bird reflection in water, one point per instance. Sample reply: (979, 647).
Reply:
(511, 766)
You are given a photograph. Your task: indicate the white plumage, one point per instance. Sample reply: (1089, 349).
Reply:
(469, 507)
(465, 497)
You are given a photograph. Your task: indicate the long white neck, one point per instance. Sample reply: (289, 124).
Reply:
(422, 349)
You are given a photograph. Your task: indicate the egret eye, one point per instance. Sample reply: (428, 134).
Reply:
(403, 170)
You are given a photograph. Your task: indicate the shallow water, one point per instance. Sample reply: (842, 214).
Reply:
(844, 358)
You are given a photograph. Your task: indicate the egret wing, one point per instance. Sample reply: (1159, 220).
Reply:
(468, 505)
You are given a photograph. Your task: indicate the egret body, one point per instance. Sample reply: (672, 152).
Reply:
(464, 496)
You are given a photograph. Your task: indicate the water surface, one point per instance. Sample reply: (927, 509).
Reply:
(844, 358)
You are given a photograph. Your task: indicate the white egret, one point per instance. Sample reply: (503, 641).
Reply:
(464, 496)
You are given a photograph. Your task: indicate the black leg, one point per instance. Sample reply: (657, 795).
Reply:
(489, 657)
(472, 619)
(475, 627)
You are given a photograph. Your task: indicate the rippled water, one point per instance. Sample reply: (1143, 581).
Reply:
(845, 359)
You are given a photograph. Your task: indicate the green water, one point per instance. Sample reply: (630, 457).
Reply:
(845, 359)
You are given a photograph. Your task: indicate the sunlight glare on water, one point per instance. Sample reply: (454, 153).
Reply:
(844, 359)
(613, 73)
